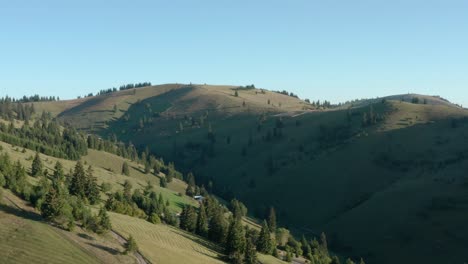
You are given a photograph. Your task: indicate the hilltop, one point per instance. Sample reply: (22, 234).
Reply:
(378, 175)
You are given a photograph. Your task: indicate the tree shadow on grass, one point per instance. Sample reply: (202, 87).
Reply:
(203, 242)
(85, 236)
(13, 210)
(110, 250)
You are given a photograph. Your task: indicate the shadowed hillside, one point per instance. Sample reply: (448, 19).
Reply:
(378, 175)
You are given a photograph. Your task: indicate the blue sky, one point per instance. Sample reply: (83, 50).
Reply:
(334, 50)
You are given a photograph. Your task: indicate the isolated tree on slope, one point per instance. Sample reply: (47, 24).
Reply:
(104, 220)
(125, 169)
(78, 181)
(37, 168)
(131, 245)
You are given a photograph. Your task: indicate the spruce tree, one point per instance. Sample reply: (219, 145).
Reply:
(250, 252)
(131, 245)
(202, 222)
(235, 242)
(323, 243)
(272, 220)
(78, 181)
(125, 169)
(188, 219)
(104, 221)
(92, 188)
(163, 182)
(58, 172)
(218, 227)
(335, 260)
(52, 205)
(264, 239)
(37, 167)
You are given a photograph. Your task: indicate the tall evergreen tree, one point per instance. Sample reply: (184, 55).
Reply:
(78, 181)
(58, 175)
(235, 242)
(202, 222)
(104, 221)
(37, 167)
(217, 228)
(125, 169)
(250, 252)
(264, 239)
(92, 188)
(272, 220)
(52, 205)
(188, 219)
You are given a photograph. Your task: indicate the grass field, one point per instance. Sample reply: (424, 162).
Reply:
(26, 239)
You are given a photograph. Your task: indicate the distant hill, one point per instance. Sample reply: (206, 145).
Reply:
(384, 177)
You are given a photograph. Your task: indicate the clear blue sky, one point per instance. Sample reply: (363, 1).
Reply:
(334, 50)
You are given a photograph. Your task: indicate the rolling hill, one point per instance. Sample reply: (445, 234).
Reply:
(385, 178)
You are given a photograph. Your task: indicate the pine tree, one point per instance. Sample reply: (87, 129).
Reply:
(264, 239)
(163, 182)
(104, 221)
(52, 205)
(131, 245)
(92, 188)
(78, 181)
(188, 219)
(272, 220)
(362, 261)
(202, 222)
(235, 242)
(147, 167)
(250, 253)
(350, 261)
(323, 242)
(218, 227)
(335, 260)
(36, 168)
(58, 172)
(125, 169)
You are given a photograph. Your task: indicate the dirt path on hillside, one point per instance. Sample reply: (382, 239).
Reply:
(140, 258)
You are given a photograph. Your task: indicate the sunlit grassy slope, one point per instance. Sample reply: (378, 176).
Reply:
(26, 239)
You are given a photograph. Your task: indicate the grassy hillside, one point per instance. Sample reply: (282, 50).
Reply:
(321, 170)
(338, 168)
(94, 113)
(26, 239)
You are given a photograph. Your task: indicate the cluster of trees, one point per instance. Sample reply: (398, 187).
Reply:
(56, 195)
(47, 137)
(12, 109)
(209, 221)
(370, 118)
(284, 92)
(247, 87)
(318, 104)
(147, 204)
(124, 87)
